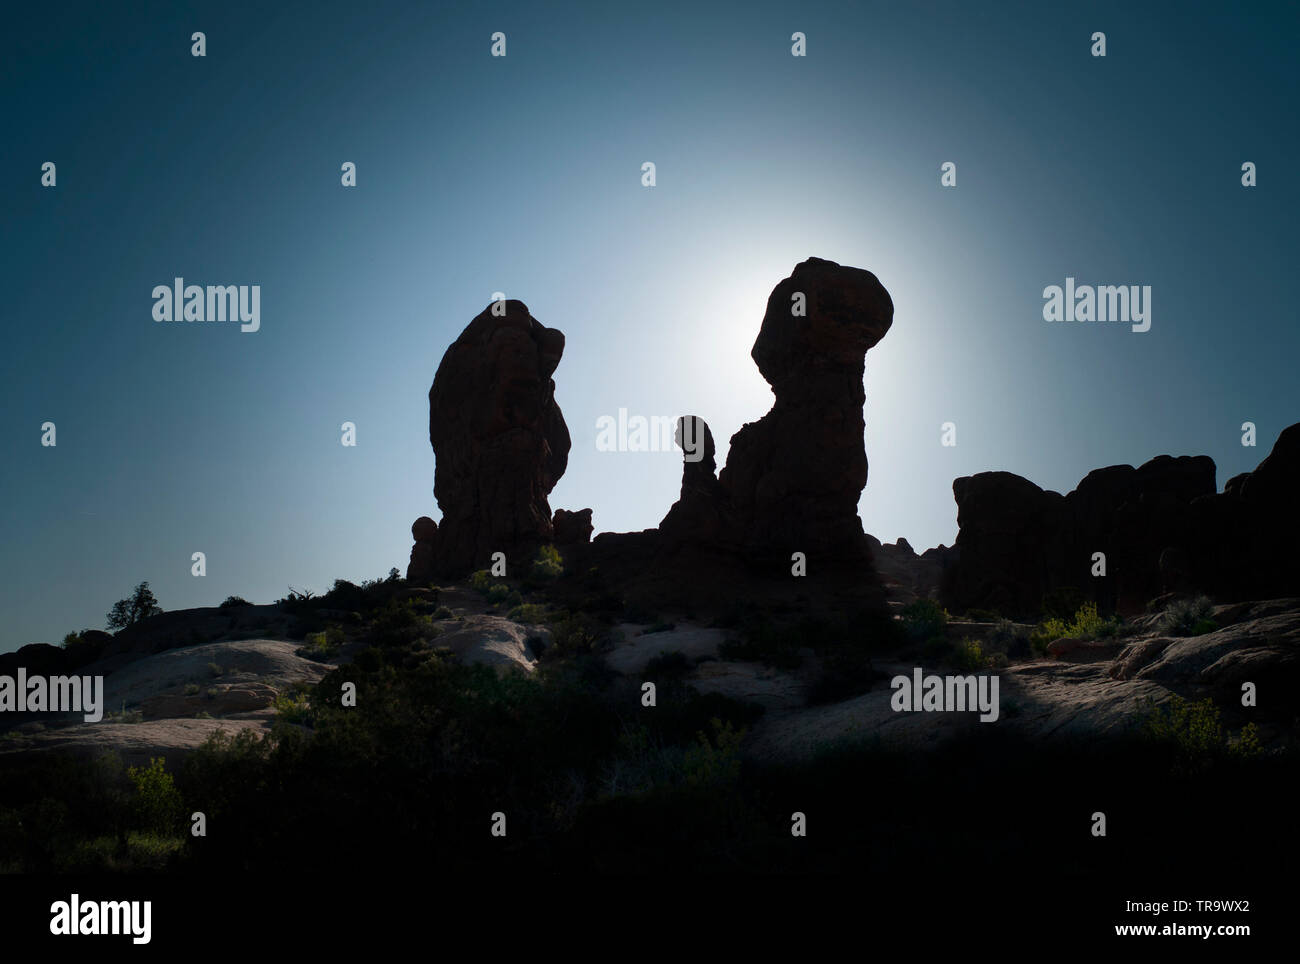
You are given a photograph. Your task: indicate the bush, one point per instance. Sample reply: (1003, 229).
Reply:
(482, 581)
(1182, 617)
(1086, 624)
(191, 689)
(158, 803)
(498, 594)
(528, 613)
(548, 566)
(1196, 733)
(924, 618)
(293, 707)
(846, 672)
(969, 655)
(324, 644)
(141, 604)
(214, 669)
(672, 665)
(398, 624)
(231, 602)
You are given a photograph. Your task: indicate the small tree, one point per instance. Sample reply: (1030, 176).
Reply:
(141, 604)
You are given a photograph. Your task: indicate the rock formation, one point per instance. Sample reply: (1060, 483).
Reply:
(794, 477)
(499, 441)
(1161, 527)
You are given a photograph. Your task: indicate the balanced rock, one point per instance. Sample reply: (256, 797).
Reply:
(794, 477)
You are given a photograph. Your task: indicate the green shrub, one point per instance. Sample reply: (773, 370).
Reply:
(528, 613)
(969, 655)
(924, 618)
(214, 669)
(672, 665)
(547, 566)
(442, 612)
(498, 594)
(398, 623)
(1196, 733)
(293, 707)
(1183, 616)
(1204, 626)
(158, 803)
(324, 644)
(846, 672)
(714, 762)
(231, 602)
(191, 689)
(482, 581)
(780, 647)
(1086, 624)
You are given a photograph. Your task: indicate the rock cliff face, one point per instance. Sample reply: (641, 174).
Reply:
(499, 440)
(1161, 526)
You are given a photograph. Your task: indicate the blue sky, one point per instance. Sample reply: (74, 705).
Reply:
(522, 174)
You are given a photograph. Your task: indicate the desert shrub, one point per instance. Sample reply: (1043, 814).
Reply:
(1063, 602)
(924, 618)
(442, 612)
(969, 655)
(765, 642)
(528, 613)
(1183, 616)
(1195, 731)
(1007, 637)
(232, 602)
(215, 669)
(1204, 626)
(935, 648)
(293, 707)
(574, 635)
(639, 612)
(845, 672)
(191, 689)
(398, 623)
(714, 760)
(1087, 623)
(498, 594)
(482, 581)
(157, 801)
(547, 566)
(324, 644)
(672, 665)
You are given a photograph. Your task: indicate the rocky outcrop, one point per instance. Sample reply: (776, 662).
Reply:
(794, 477)
(1161, 527)
(572, 528)
(499, 441)
(791, 484)
(702, 515)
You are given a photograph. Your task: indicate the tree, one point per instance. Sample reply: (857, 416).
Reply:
(141, 604)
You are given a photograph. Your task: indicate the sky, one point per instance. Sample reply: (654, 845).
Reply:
(522, 175)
